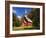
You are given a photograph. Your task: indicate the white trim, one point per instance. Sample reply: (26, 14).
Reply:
(25, 31)
(26, 6)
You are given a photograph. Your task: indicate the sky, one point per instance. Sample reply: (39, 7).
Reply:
(20, 11)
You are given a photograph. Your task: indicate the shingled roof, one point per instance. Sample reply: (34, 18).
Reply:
(27, 19)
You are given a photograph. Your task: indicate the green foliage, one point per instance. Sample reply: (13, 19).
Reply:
(36, 18)
(16, 22)
(35, 13)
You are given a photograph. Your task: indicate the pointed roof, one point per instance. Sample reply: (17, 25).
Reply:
(29, 20)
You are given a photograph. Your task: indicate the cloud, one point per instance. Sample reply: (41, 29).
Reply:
(14, 11)
(25, 11)
(19, 17)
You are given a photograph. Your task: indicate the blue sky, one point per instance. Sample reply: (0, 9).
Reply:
(20, 11)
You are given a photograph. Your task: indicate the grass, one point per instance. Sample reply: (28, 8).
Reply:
(22, 28)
